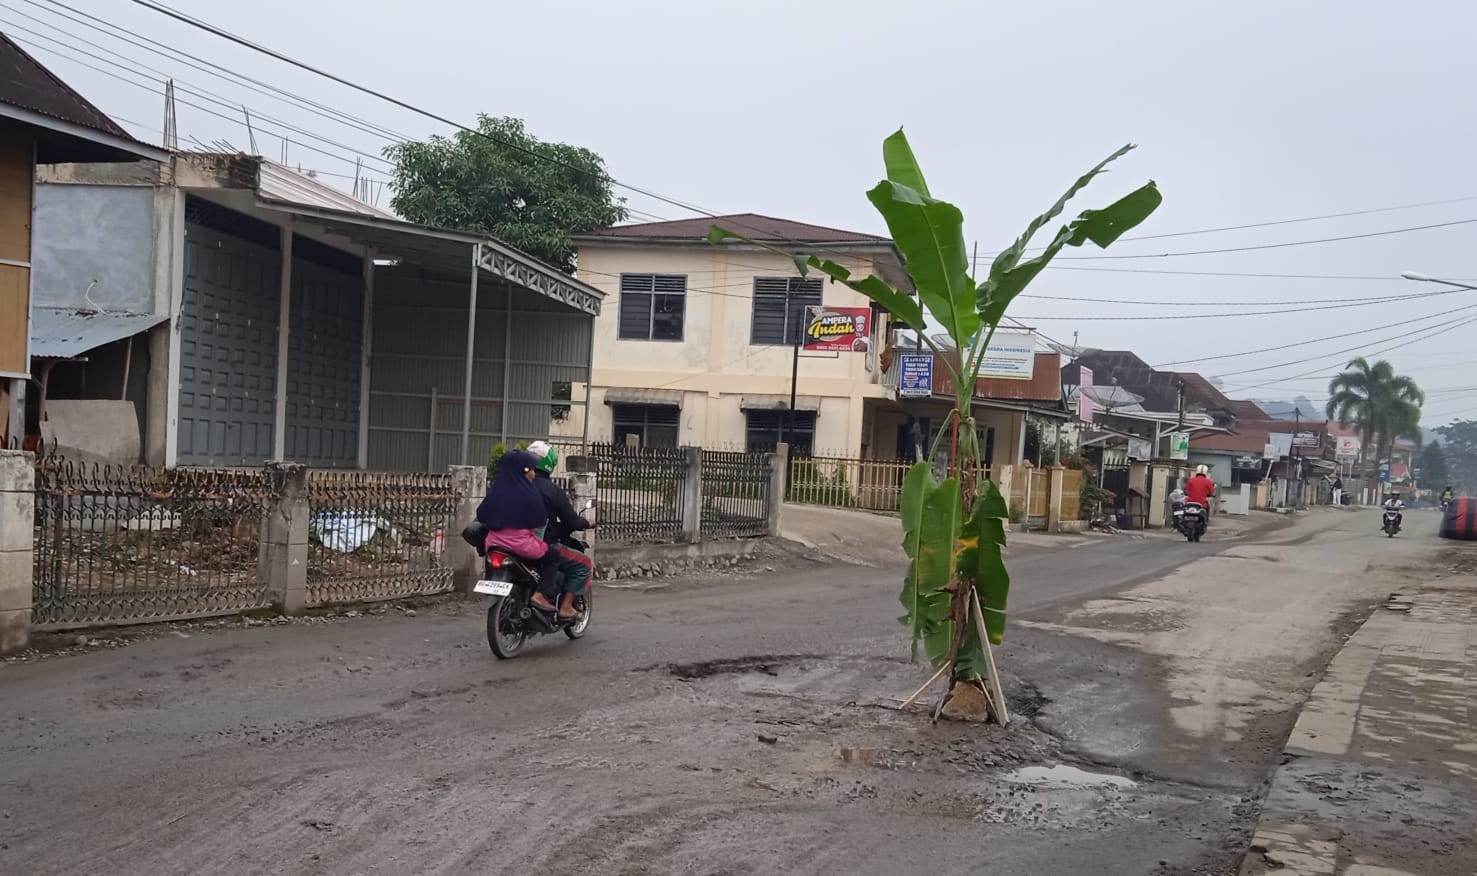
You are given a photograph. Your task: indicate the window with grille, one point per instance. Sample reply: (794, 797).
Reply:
(651, 425)
(766, 429)
(779, 308)
(653, 307)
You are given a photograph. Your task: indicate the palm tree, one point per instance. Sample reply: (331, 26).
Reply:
(1382, 404)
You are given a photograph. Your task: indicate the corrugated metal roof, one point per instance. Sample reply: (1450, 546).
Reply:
(25, 83)
(64, 333)
(281, 183)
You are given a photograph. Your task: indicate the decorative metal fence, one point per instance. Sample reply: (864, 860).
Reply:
(870, 484)
(639, 493)
(378, 536)
(117, 545)
(735, 494)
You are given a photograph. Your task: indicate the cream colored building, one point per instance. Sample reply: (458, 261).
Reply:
(694, 343)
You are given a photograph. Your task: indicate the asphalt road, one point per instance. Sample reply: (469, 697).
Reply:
(737, 724)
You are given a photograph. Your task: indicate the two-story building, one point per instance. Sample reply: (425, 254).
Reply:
(696, 344)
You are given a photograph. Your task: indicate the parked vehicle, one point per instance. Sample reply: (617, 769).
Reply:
(1391, 523)
(508, 584)
(1193, 521)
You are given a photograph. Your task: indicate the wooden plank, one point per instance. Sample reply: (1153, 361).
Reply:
(16, 175)
(15, 314)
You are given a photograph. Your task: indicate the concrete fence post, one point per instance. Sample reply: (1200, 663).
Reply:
(469, 482)
(17, 528)
(1055, 482)
(285, 556)
(583, 484)
(779, 466)
(1004, 476)
(692, 496)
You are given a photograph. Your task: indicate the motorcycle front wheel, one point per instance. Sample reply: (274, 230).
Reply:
(504, 642)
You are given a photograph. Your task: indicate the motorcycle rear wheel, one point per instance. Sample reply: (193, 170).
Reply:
(505, 645)
(585, 605)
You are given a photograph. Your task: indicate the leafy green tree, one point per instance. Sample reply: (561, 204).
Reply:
(1460, 452)
(1434, 474)
(1383, 405)
(957, 585)
(504, 182)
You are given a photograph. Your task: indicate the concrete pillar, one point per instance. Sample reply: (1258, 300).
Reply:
(470, 484)
(779, 464)
(692, 496)
(17, 522)
(583, 486)
(1054, 498)
(285, 539)
(284, 349)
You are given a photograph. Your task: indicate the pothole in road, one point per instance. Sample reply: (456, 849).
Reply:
(1063, 776)
(764, 665)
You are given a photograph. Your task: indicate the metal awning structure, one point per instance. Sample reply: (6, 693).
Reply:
(764, 402)
(625, 395)
(438, 250)
(65, 333)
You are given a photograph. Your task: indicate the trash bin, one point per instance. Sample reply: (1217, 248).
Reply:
(1122, 521)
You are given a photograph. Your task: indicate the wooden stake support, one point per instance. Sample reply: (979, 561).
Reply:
(997, 692)
(919, 692)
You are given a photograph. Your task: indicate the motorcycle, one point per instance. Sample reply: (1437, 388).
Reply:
(508, 585)
(1192, 521)
(1391, 524)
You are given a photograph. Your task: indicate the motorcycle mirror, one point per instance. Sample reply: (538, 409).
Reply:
(589, 503)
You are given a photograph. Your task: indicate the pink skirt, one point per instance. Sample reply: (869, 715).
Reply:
(526, 543)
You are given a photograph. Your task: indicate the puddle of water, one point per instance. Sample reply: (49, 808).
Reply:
(1066, 776)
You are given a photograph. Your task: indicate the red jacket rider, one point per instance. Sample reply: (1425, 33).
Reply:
(1200, 488)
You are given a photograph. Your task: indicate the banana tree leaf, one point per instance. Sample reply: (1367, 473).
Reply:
(930, 235)
(1011, 255)
(902, 165)
(930, 522)
(900, 304)
(987, 566)
(1108, 224)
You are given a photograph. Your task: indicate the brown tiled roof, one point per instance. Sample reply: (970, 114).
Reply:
(1250, 436)
(766, 229)
(25, 83)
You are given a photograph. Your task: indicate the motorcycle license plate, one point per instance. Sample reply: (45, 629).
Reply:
(493, 588)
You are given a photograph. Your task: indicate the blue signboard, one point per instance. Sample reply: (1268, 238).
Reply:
(915, 379)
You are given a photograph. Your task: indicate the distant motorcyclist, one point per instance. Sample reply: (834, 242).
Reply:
(1447, 495)
(1393, 503)
(564, 521)
(1200, 488)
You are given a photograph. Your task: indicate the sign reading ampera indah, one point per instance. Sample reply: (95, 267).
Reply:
(837, 329)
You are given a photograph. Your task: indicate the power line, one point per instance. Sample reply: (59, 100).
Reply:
(213, 69)
(1235, 274)
(1264, 246)
(192, 104)
(1440, 331)
(1305, 343)
(1179, 316)
(1333, 354)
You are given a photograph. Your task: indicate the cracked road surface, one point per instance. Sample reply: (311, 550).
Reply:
(728, 725)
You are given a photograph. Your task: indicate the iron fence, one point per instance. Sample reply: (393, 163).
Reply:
(378, 536)
(839, 482)
(639, 493)
(735, 494)
(130, 544)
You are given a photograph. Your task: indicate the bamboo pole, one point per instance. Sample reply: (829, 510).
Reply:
(998, 693)
(926, 685)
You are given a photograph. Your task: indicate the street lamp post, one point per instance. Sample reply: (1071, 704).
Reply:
(1418, 277)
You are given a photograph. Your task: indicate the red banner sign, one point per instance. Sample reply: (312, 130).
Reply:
(837, 329)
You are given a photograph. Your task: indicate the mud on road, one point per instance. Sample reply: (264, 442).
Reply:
(743, 728)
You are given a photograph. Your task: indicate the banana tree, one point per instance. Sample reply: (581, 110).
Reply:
(957, 585)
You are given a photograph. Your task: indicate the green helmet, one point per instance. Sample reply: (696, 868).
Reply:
(546, 454)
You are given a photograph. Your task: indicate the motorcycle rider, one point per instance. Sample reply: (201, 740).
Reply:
(1446, 495)
(513, 512)
(564, 521)
(1393, 503)
(1200, 488)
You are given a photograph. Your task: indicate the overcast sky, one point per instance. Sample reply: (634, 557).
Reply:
(1249, 112)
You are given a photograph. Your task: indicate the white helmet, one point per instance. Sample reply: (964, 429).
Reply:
(539, 449)
(1202, 469)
